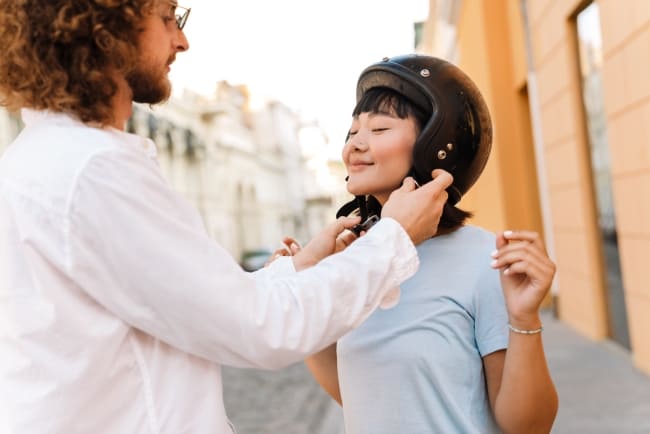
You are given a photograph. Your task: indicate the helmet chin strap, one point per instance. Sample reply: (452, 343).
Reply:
(362, 203)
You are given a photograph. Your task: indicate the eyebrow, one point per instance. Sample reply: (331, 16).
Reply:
(381, 113)
(372, 115)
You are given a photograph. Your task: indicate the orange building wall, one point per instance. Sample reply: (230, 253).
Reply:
(485, 199)
(492, 50)
(626, 75)
(506, 196)
(576, 235)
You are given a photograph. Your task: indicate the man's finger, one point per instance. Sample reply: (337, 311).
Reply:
(442, 179)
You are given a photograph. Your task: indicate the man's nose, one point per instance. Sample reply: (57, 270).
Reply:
(182, 44)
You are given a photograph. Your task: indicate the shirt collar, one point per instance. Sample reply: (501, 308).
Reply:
(32, 117)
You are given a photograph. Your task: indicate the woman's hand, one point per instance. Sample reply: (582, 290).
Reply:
(526, 275)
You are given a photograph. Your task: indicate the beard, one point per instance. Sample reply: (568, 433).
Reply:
(148, 86)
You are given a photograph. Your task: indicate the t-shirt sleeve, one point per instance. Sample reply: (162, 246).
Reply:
(491, 322)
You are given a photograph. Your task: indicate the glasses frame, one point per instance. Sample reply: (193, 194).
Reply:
(181, 18)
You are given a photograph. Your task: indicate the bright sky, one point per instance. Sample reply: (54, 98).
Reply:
(306, 54)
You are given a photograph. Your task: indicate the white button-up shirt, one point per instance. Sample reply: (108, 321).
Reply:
(116, 307)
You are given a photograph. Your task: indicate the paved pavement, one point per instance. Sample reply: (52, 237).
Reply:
(600, 392)
(287, 401)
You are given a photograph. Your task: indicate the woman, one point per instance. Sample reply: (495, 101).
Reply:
(462, 350)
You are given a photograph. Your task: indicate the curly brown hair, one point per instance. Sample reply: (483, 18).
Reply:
(61, 55)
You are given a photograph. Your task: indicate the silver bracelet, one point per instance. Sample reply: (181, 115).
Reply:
(526, 332)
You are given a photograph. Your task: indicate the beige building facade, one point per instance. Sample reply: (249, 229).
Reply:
(568, 87)
(255, 174)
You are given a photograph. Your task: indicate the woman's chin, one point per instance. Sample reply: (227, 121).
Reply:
(357, 190)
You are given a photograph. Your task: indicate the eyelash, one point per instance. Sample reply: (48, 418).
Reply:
(374, 130)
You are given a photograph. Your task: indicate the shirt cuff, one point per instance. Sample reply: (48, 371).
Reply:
(405, 256)
(282, 266)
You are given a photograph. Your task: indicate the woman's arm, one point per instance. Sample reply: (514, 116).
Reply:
(521, 391)
(324, 369)
(522, 394)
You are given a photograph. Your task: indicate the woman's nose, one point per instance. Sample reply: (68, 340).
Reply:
(358, 142)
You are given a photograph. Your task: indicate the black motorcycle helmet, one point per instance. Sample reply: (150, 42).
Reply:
(458, 135)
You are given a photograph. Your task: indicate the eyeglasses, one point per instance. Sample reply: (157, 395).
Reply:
(181, 15)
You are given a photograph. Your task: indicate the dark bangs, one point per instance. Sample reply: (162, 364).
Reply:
(386, 100)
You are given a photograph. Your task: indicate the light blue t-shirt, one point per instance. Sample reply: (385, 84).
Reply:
(417, 368)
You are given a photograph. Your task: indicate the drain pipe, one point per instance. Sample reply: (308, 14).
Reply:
(538, 144)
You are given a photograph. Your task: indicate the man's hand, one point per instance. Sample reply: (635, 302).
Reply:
(419, 210)
(332, 239)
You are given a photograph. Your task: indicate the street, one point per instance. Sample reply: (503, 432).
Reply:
(600, 392)
(287, 401)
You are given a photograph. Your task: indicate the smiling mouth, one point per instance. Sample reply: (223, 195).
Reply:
(358, 167)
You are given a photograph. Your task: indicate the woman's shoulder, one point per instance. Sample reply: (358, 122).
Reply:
(467, 241)
(477, 233)
(469, 233)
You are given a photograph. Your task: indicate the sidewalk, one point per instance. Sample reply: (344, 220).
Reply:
(600, 390)
(287, 401)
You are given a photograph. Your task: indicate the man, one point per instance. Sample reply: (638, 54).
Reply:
(116, 308)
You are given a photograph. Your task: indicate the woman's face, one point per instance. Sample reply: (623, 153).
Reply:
(379, 153)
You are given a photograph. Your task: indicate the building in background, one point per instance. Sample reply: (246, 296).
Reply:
(568, 89)
(255, 173)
